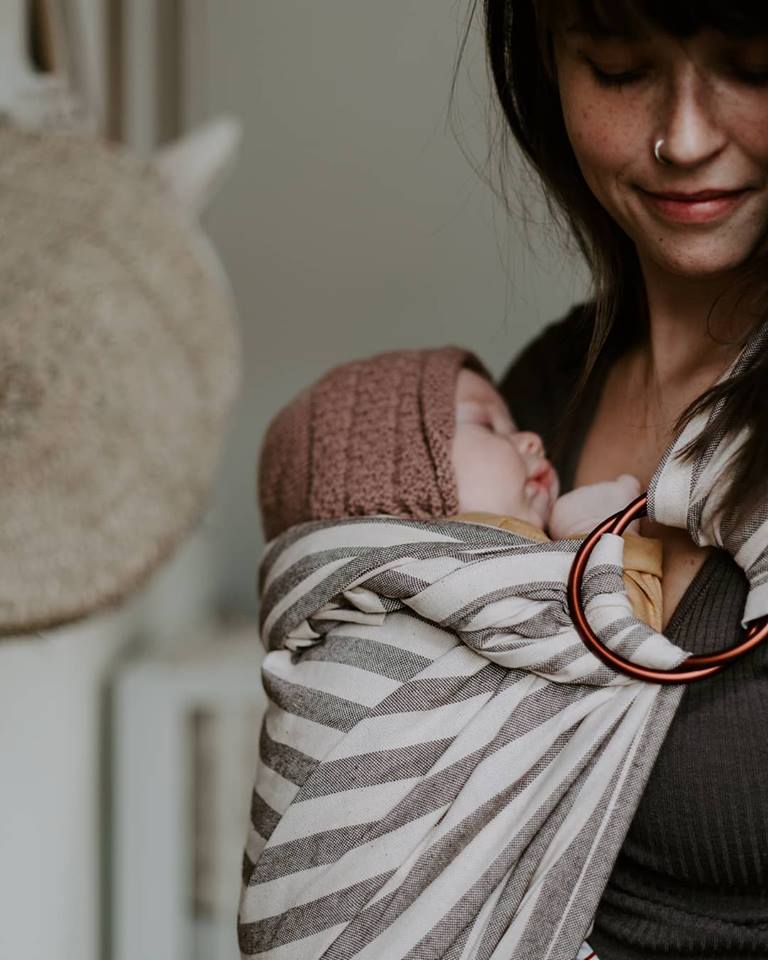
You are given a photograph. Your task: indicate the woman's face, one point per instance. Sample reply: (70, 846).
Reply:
(707, 97)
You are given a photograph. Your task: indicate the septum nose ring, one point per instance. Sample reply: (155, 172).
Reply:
(657, 151)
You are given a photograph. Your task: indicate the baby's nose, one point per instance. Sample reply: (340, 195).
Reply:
(530, 444)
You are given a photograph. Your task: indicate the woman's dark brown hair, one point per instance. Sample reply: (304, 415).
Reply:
(520, 53)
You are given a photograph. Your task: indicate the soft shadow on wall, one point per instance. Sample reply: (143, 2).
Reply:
(354, 222)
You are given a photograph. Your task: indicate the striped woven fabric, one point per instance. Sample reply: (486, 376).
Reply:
(445, 771)
(688, 495)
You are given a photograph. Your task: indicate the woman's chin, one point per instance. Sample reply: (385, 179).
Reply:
(697, 261)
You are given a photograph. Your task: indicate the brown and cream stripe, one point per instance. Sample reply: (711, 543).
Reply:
(444, 770)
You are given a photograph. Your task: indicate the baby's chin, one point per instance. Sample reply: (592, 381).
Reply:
(535, 509)
(537, 505)
(540, 510)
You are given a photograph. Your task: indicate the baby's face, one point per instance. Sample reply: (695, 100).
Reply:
(498, 468)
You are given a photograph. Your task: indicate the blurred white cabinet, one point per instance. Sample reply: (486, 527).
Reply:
(185, 742)
(51, 816)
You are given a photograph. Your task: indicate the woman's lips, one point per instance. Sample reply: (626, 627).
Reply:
(699, 209)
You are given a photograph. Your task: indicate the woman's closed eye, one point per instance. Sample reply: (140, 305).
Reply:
(748, 74)
(615, 79)
(615, 62)
(745, 61)
(752, 78)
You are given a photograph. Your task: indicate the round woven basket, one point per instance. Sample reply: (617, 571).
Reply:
(118, 368)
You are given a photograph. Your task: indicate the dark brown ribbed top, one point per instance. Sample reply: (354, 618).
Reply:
(691, 879)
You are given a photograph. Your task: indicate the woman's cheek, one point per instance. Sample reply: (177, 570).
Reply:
(603, 127)
(595, 143)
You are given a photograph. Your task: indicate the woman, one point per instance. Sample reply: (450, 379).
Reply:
(647, 123)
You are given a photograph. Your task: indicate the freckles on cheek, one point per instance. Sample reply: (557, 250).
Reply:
(592, 148)
(602, 126)
(599, 137)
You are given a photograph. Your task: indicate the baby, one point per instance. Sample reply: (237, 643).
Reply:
(423, 434)
(503, 478)
(503, 470)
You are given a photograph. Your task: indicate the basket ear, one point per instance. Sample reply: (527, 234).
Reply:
(195, 165)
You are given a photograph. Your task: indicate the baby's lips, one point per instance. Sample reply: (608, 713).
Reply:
(546, 476)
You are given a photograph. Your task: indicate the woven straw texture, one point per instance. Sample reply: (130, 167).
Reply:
(118, 368)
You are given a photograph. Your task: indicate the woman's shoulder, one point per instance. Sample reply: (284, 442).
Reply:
(540, 379)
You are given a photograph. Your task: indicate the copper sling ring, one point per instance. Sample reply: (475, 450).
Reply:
(695, 667)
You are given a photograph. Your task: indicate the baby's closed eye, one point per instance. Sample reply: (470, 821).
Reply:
(482, 416)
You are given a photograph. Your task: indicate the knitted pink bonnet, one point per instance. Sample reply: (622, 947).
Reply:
(371, 436)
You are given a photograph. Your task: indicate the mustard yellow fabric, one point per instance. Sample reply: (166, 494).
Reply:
(642, 562)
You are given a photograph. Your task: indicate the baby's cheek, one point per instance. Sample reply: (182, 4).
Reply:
(510, 476)
(471, 471)
(488, 476)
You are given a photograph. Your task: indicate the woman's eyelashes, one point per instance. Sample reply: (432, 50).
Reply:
(611, 78)
(751, 78)
(731, 69)
(615, 79)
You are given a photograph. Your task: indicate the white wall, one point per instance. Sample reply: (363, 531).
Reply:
(353, 222)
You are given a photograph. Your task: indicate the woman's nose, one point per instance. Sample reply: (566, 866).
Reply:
(688, 125)
(530, 444)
